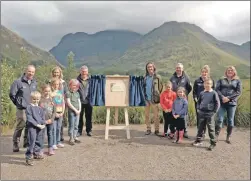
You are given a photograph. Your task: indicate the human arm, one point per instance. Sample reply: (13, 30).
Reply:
(13, 92)
(188, 86)
(184, 109)
(218, 89)
(217, 102)
(195, 89)
(162, 100)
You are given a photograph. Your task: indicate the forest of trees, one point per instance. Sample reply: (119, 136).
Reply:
(10, 72)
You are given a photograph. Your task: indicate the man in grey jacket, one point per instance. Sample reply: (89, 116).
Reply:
(86, 107)
(20, 95)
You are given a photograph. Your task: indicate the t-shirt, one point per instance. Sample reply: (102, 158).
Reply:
(149, 83)
(58, 100)
(48, 107)
(74, 97)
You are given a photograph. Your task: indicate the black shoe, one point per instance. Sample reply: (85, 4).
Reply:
(89, 134)
(148, 132)
(211, 147)
(77, 140)
(15, 147)
(71, 142)
(29, 162)
(62, 139)
(156, 133)
(185, 135)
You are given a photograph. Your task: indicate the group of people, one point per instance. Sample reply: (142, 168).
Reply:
(46, 109)
(210, 100)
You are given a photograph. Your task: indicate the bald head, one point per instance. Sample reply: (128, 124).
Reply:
(30, 72)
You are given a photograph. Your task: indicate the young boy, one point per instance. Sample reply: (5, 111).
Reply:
(35, 123)
(207, 106)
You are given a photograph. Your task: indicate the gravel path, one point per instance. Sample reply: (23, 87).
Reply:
(142, 157)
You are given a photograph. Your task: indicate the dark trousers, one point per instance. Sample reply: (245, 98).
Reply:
(87, 109)
(21, 124)
(168, 122)
(35, 136)
(197, 119)
(209, 122)
(180, 124)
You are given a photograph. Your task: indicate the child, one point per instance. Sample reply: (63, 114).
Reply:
(74, 105)
(166, 101)
(35, 124)
(179, 111)
(58, 101)
(49, 110)
(207, 106)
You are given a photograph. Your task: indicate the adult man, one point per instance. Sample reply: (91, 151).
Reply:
(20, 92)
(152, 88)
(180, 79)
(86, 107)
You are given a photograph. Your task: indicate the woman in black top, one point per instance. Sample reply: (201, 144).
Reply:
(228, 89)
(198, 87)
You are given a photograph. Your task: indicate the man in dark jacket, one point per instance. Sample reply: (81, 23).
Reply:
(86, 107)
(20, 92)
(180, 79)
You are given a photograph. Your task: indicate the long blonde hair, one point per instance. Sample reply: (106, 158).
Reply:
(53, 80)
(234, 70)
(60, 70)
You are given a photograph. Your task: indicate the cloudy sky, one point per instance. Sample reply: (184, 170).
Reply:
(43, 23)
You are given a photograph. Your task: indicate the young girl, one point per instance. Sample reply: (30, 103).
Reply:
(179, 111)
(166, 101)
(49, 109)
(74, 105)
(58, 101)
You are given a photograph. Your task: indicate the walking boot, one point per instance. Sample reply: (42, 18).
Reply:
(229, 133)
(217, 132)
(177, 137)
(15, 147)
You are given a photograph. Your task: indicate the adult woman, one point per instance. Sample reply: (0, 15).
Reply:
(57, 73)
(198, 87)
(228, 89)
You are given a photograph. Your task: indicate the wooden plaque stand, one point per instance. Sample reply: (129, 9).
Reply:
(115, 127)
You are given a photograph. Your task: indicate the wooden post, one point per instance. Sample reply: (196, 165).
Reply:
(116, 127)
(116, 116)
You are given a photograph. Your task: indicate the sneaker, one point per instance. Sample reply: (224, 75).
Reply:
(197, 143)
(148, 132)
(29, 162)
(51, 152)
(211, 147)
(60, 145)
(89, 134)
(25, 145)
(39, 157)
(228, 140)
(171, 136)
(77, 140)
(54, 147)
(79, 134)
(71, 142)
(216, 138)
(156, 132)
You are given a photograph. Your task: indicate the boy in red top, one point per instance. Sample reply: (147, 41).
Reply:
(166, 101)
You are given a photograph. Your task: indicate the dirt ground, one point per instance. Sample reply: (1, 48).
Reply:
(141, 157)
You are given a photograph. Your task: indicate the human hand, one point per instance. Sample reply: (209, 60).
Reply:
(41, 126)
(49, 121)
(175, 116)
(225, 99)
(195, 99)
(78, 112)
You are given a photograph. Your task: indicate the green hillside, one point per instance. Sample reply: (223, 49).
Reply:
(175, 42)
(95, 50)
(11, 45)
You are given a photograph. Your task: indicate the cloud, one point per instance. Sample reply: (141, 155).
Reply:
(43, 23)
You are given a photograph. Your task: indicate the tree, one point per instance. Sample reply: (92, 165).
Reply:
(70, 69)
(23, 61)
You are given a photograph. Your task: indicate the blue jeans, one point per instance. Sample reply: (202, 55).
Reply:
(230, 115)
(49, 129)
(73, 120)
(57, 123)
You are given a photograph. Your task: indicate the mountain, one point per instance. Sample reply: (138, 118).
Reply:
(11, 44)
(175, 42)
(246, 46)
(95, 49)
